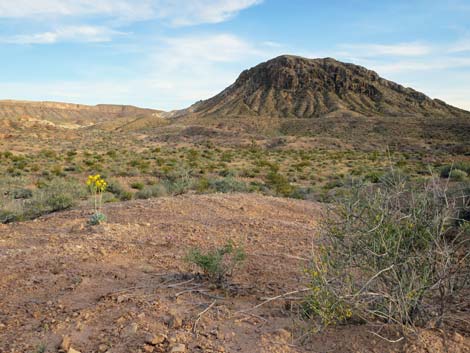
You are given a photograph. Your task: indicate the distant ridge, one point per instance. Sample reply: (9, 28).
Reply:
(70, 114)
(295, 87)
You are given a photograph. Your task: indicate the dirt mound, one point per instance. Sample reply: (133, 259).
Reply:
(125, 287)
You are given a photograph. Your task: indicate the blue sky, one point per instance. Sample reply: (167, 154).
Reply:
(167, 54)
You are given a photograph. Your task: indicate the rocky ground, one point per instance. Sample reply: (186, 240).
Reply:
(125, 287)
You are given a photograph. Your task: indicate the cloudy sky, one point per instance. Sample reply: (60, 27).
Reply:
(167, 54)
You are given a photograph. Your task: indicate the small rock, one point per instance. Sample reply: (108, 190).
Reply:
(121, 320)
(155, 339)
(130, 330)
(148, 348)
(175, 321)
(284, 335)
(458, 337)
(179, 348)
(65, 345)
(121, 298)
(71, 350)
(102, 348)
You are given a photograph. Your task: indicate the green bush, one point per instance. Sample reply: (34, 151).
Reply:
(227, 185)
(219, 263)
(392, 253)
(55, 196)
(279, 183)
(148, 192)
(58, 195)
(138, 185)
(446, 170)
(202, 185)
(178, 186)
(118, 190)
(22, 194)
(457, 175)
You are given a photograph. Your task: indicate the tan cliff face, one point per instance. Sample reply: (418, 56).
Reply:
(295, 87)
(67, 114)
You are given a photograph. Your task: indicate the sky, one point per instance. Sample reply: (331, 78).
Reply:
(168, 54)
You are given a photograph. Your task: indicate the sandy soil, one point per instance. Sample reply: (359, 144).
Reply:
(125, 287)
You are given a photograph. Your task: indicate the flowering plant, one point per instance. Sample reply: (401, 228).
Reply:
(97, 186)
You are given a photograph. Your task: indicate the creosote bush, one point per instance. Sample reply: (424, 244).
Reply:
(150, 191)
(56, 195)
(394, 253)
(218, 263)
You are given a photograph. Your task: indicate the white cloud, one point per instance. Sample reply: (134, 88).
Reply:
(89, 34)
(178, 72)
(190, 12)
(213, 48)
(65, 8)
(423, 64)
(460, 46)
(175, 12)
(186, 69)
(400, 49)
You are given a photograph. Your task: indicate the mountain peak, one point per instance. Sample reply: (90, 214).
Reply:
(296, 87)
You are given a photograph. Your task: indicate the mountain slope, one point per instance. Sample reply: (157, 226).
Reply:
(68, 115)
(295, 87)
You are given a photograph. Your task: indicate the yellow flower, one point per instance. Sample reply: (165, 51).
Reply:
(96, 183)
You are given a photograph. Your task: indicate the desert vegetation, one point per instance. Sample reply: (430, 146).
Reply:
(144, 172)
(395, 253)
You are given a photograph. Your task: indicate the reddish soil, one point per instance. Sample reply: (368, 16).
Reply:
(125, 287)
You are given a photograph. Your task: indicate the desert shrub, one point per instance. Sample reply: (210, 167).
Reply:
(394, 253)
(278, 183)
(334, 183)
(58, 195)
(446, 170)
(226, 173)
(148, 192)
(457, 175)
(227, 185)
(303, 193)
(218, 263)
(21, 193)
(373, 177)
(55, 196)
(137, 185)
(255, 186)
(112, 154)
(119, 191)
(10, 212)
(178, 181)
(202, 185)
(57, 170)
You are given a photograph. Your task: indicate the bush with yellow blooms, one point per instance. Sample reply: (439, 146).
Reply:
(97, 186)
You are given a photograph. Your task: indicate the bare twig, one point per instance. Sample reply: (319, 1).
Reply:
(201, 314)
(274, 298)
(386, 339)
(180, 283)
